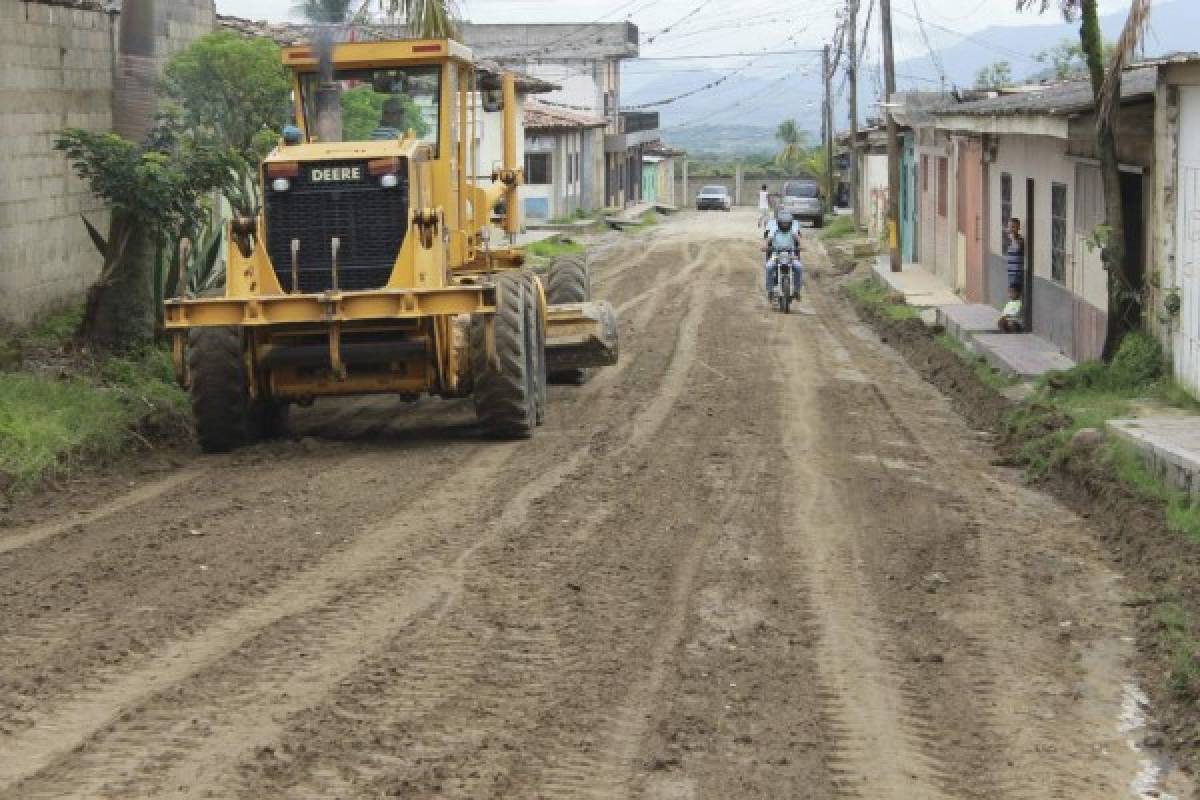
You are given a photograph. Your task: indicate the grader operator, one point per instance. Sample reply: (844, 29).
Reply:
(370, 268)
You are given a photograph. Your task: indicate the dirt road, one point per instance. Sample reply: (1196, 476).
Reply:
(758, 559)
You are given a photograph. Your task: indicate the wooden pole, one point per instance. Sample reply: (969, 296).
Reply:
(828, 126)
(852, 80)
(893, 136)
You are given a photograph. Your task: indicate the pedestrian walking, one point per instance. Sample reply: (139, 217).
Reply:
(764, 207)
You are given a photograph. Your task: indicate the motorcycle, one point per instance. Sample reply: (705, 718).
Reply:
(787, 279)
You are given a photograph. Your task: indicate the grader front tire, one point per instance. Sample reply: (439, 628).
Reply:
(569, 281)
(225, 413)
(505, 394)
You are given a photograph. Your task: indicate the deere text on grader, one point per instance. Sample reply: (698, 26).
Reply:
(370, 270)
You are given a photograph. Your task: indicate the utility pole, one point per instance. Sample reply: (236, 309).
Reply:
(827, 124)
(893, 137)
(852, 79)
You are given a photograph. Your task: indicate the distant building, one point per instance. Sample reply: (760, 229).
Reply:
(659, 164)
(585, 62)
(564, 161)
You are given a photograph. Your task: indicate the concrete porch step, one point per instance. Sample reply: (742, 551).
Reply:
(1020, 355)
(963, 320)
(1170, 446)
(920, 288)
(629, 216)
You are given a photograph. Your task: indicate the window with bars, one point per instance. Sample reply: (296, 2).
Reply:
(1005, 207)
(943, 187)
(537, 169)
(1058, 232)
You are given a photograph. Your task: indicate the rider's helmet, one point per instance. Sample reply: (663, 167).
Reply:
(784, 221)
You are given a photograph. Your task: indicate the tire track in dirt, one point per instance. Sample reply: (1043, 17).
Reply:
(541, 674)
(138, 496)
(74, 722)
(876, 750)
(624, 260)
(535, 653)
(1019, 684)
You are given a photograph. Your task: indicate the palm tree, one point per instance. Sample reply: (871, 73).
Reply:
(1125, 282)
(794, 141)
(426, 19)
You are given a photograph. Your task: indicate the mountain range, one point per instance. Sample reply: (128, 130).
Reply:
(763, 100)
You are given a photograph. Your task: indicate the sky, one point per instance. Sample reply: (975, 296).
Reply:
(695, 27)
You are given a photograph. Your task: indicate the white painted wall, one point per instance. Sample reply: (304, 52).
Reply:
(1186, 345)
(1044, 159)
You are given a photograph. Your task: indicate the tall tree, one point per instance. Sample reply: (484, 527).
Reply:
(1125, 281)
(234, 91)
(994, 76)
(327, 12)
(794, 142)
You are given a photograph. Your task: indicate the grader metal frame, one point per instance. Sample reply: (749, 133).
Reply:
(370, 268)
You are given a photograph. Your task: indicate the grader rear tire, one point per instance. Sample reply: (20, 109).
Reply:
(535, 325)
(505, 398)
(569, 281)
(226, 416)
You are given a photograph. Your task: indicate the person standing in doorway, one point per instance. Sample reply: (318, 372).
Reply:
(764, 207)
(1015, 257)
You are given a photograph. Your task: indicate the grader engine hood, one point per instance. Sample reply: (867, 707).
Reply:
(335, 217)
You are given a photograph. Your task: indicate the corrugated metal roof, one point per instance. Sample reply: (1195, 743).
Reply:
(1181, 57)
(538, 117)
(1061, 99)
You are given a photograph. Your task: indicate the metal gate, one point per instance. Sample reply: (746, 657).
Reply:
(1187, 241)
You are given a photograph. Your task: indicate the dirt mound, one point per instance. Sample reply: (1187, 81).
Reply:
(980, 404)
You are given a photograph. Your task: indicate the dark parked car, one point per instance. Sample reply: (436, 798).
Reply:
(802, 199)
(714, 198)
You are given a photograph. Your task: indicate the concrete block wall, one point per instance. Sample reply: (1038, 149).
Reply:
(56, 71)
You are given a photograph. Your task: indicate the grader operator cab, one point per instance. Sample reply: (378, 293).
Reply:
(370, 268)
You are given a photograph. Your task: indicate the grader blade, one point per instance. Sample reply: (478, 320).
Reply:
(580, 336)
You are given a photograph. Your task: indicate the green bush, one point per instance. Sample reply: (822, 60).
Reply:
(1139, 362)
(839, 228)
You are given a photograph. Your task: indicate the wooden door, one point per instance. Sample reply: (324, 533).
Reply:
(970, 216)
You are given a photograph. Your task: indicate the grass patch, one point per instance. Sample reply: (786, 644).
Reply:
(53, 329)
(1088, 396)
(1183, 652)
(553, 248)
(839, 228)
(982, 369)
(58, 414)
(871, 292)
(647, 220)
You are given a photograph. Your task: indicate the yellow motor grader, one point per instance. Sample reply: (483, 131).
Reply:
(371, 267)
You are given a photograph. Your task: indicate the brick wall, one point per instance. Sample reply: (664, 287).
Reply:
(56, 67)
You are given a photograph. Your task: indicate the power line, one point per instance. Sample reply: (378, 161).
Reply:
(981, 42)
(680, 21)
(797, 51)
(933, 56)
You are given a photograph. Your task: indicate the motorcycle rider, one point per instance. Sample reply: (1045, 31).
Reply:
(783, 234)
